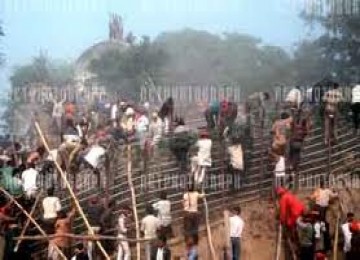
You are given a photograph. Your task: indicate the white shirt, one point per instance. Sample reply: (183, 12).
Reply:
(324, 196)
(149, 225)
(58, 109)
(280, 167)
(163, 208)
(294, 96)
(121, 224)
(51, 206)
(355, 97)
(191, 201)
(52, 155)
(236, 157)
(156, 129)
(160, 254)
(347, 236)
(319, 227)
(142, 124)
(94, 155)
(236, 226)
(114, 111)
(28, 178)
(204, 152)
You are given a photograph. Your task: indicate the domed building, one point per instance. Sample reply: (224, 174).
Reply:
(83, 77)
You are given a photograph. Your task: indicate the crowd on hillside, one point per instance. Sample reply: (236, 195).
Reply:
(84, 140)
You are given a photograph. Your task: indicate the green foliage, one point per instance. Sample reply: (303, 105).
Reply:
(43, 70)
(338, 47)
(190, 57)
(126, 71)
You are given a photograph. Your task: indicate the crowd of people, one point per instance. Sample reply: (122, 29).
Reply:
(85, 137)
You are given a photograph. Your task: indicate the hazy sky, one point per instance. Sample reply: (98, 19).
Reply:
(64, 28)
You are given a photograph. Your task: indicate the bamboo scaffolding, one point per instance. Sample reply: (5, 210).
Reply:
(81, 237)
(278, 243)
(133, 199)
(72, 194)
(227, 234)
(31, 219)
(28, 221)
(208, 230)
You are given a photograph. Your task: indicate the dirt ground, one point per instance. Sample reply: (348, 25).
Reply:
(259, 237)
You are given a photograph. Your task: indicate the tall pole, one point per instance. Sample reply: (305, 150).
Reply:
(31, 219)
(72, 194)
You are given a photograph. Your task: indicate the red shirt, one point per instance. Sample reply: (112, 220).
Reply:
(290, 209)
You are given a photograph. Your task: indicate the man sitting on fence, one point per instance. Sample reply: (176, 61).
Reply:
(212, 114)
(128, 123)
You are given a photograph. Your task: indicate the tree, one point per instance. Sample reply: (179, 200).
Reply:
(126, 71)
(340, 43)
(43, 70)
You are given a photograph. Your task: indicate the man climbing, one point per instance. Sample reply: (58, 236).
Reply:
(291, 208)
(355, 107)
(124, 252)
(300, 127)
(332, 98)
(192, 215)
(294, 98)
(202, 161)
(256, 105)
(281, 129)
(163, 208)
(322, 196)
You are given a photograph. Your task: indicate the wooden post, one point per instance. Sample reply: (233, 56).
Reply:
(31, 219)
(28, 221)
(208, 230)
(278, 242)
(133, 199)
(336, 239)
(76, 202)
(227, 234)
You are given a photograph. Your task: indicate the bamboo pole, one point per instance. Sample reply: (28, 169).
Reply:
(227, 234)
(76, 202)
(28, 221)
(133, 199)
(82, 237)
(208, 230)
(31, 219)
(336, 239)
(278, 242)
